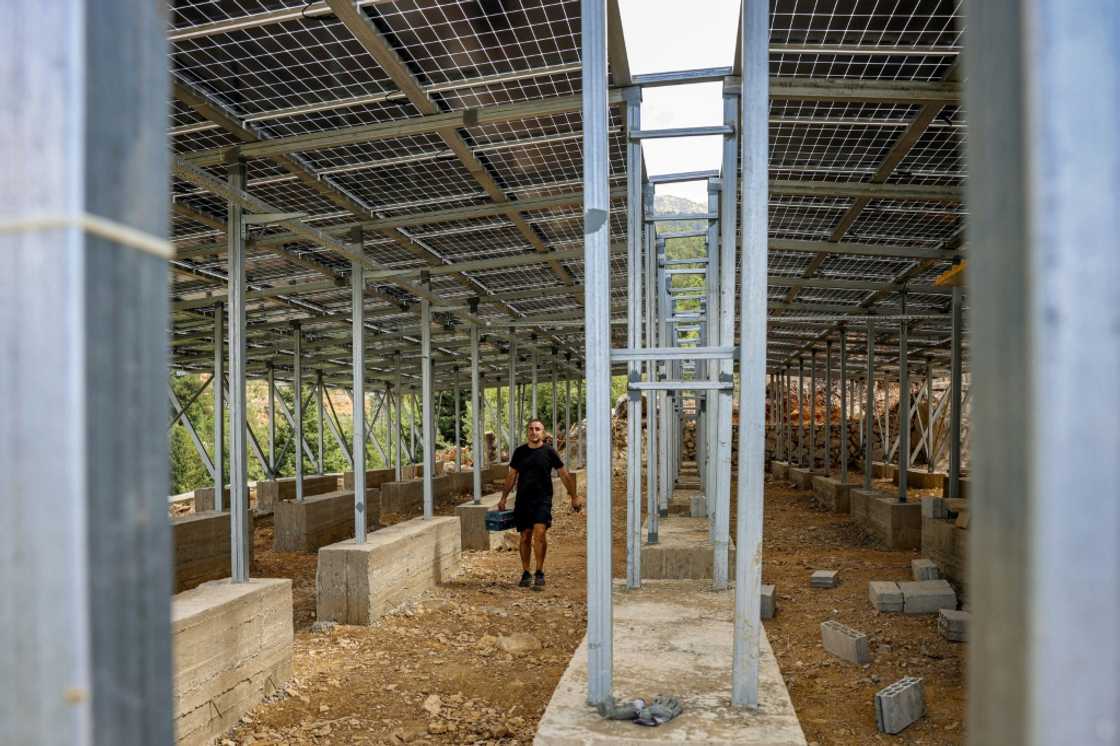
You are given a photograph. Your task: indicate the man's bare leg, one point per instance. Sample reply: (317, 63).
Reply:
(526, 547)
(540, 544)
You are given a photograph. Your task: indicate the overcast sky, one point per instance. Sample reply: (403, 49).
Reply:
(668, 35)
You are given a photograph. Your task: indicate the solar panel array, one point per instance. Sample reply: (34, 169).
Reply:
(478, 156)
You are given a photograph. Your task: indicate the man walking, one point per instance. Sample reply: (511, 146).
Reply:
(530, 468)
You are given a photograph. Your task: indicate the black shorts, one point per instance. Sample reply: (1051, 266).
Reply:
(528, 512)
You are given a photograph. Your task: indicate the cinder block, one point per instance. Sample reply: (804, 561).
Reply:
(824, 578)
(769, 600)
(924, 569)
(899, 705)
(845, 642)
(953, 625)
(933, 507)
(698, 507)
(779, 470)
(927, 596)
(885, 595)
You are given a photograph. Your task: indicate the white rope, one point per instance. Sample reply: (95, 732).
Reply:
(97, 226)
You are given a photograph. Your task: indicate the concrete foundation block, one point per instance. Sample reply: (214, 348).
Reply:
(924, 569)
(883, 470)
(231, 648)
(831, 494)
(899, 705)
(934, 507)
(779, 470)
(472, 521)
(845, 642)
(682, 551)
(824, 579)
(801, 477)
(200, 545)
(374, 478)
(357, 583)
(698, 507)
(769, 602)
(962, 488)
(204, 499)
(897, 525)
(927, 596)
(922, 480)
(953, 624)
(947, 546)
(320, 520)
(272, 491)
(885, 595)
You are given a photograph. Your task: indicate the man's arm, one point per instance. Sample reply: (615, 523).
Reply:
(570, 484)
(507, 486)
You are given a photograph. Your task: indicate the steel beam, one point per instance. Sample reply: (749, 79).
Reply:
(297, 388)
(633, 97)
(845, 452)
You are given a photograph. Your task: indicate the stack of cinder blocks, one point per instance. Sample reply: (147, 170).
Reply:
(885, 595)
(953, 625)
(845, 642)
(924, 569)
(918, 597)
(899, 705)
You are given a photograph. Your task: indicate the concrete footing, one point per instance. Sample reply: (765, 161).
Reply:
(947, 545)
(953, 625)
(232, 647)
(801, 477)
(682, 551)
(407, 498)
(357, 583)
(272, 491)
(320, 520)
(374, 478)
(673, 637)
(831, 494)
(885, 596)
(472, 522)
(204, 499)
(897, 525)
(200, 545)
(963, 486)
(779, 470)
(922, 480)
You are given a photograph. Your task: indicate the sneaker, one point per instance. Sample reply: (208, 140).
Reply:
(538, 581)
(526, 579)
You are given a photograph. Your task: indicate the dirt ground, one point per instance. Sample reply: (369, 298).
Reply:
(475, 661)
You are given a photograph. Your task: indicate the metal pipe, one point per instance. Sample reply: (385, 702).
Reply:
(596, 232)
(869, 414)
(238, 456)
(426, 394)
(903, 405)
(297, 388)
(801, 411)
(955, 397)
(828, 407)
(552, 396)
(458, 415)
(728, 207)
(533, 386)
(752, 355)
(653, 517)
(813, 412)
(358, 365)
(319, 407)
(929, 415)
(478, 437)
(513, 427)
(633, 99)
(845, 452)
(219, 408)
(399, 416)
(271, 376)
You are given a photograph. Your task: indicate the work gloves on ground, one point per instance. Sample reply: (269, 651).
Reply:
(660, 710)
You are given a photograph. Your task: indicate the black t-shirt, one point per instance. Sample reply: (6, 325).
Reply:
(534, 471)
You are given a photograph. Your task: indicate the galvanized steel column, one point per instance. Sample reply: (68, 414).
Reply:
(813, 411)
(955, 396)
(903, 402)
(513, 428)
(238, 456)
(85, 566)
(358, 367)
(597, 306)
(398, 416)
(533, 388)
(1043, 98)
(458, 414)
(752, 354)
(929, 415)
(478, 436)
(828, 407)
(297, 387)
(844, 439)
(319, 407)
(427, 430)
(711, 323)
(869, 415)
(271, 375)
(649, 242)
(801, 451)
(728, 220)
(552, 395)
(217, 385)
(634, 233)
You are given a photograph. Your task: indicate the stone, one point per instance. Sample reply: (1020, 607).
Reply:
(824, 579)
(323, 628)
(844, 642)
(768, 602)
(518, 643)
(899, 705)
(885, 595)
(924, 569)
(927, 596)
(432, 704)
(953, 625)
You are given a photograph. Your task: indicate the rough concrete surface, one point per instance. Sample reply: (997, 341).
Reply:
(231, 647)
(200, 543)
(769, 601)
(272, 491)
(357, 583)
(472, 521)
(927, 596)
(897, 525)
(953, 624)
(831, 493)
(824, 578)
(924, 569)
(673, 637)
(320, 520)
(682, 551)
(885, 595)
(899, 705)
